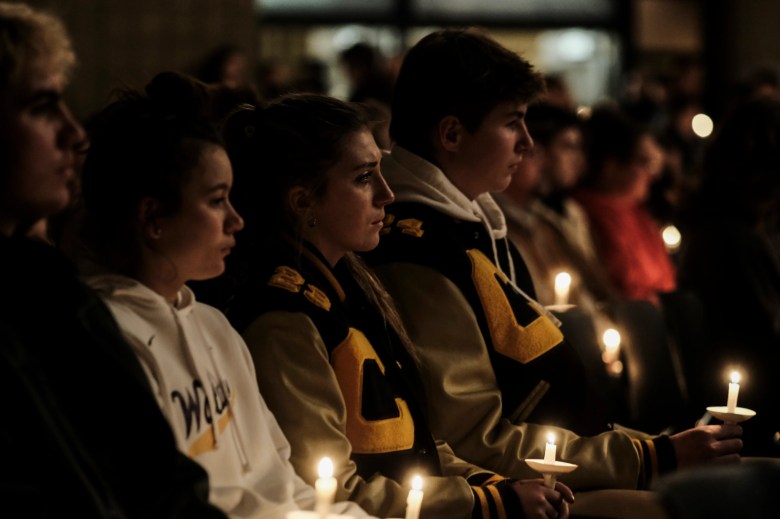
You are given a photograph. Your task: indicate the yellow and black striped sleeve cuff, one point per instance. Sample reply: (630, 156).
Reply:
(656, 457)
(494, 498)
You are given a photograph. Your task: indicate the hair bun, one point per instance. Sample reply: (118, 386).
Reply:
(174, 95)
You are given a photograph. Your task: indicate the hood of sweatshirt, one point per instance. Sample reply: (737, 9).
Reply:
(178, 348)
(132, 292)
(414, 179)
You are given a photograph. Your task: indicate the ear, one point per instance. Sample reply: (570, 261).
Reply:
(300, 202)
(148, 211)
(450, 133)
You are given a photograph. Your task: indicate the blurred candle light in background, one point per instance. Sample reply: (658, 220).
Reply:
(702, 125)
(562, 286)
(611, 340)
(672, 237)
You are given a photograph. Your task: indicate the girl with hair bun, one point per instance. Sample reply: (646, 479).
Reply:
(156, 183)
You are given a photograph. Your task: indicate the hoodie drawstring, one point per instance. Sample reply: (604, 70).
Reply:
(236, 434)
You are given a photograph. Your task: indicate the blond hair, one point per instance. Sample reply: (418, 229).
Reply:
(30, 40)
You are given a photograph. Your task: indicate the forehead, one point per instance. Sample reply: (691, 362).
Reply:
(212, 168)
(507, 110)
(359, 148)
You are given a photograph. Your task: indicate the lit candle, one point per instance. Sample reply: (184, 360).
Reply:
(325, 487)
(562, 285)
(672, 238)
(549, 449)
(731, 403)
(611, 339)
(414, 501)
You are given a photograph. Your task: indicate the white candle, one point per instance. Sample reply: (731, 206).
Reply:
(325, 487)
(414, 500)
(731, 402)
(611, 340)
(549, 449)
(562, 285)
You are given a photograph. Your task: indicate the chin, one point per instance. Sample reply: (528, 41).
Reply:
(368, 245)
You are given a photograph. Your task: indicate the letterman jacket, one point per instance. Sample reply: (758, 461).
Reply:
(496, 368)
(341, 384)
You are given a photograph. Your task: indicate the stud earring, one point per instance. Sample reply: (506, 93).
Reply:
(313, 221)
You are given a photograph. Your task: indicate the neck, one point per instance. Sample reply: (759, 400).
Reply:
(454, 174)
(161, 276)
(332, 255)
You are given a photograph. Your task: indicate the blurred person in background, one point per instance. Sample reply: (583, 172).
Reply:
(624, 159)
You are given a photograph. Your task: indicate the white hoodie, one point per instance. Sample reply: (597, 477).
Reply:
(204, 380)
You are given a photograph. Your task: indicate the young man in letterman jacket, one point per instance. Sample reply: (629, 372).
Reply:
(494, 363)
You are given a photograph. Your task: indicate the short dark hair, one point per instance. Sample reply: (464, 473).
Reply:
(455, 72)
(610, 134)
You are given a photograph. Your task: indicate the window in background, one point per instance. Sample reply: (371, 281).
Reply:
(379, 9)
(582, 11)
(587, 60)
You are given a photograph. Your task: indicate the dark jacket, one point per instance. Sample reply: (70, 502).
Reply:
(83, 434)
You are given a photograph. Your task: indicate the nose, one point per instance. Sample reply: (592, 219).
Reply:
(525, 142)
(383, 194)
(234, 222)
(72, 134)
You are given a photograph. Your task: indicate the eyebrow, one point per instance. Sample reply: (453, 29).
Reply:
(366, 165)
(219, 187)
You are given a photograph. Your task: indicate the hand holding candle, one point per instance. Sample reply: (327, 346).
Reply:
(414, 501)
(731, 402)
(325, 487)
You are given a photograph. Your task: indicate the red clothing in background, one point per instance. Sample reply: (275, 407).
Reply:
(629, 243)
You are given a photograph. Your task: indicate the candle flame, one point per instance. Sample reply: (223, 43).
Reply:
(611, 339)
(735, 377)
(672, 237)
(551, 438)
(325, 468)
(563, 280)
(417, 483)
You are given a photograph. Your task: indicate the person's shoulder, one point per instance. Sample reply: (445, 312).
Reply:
(282, 288)
(413, 225)
(420, 234)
